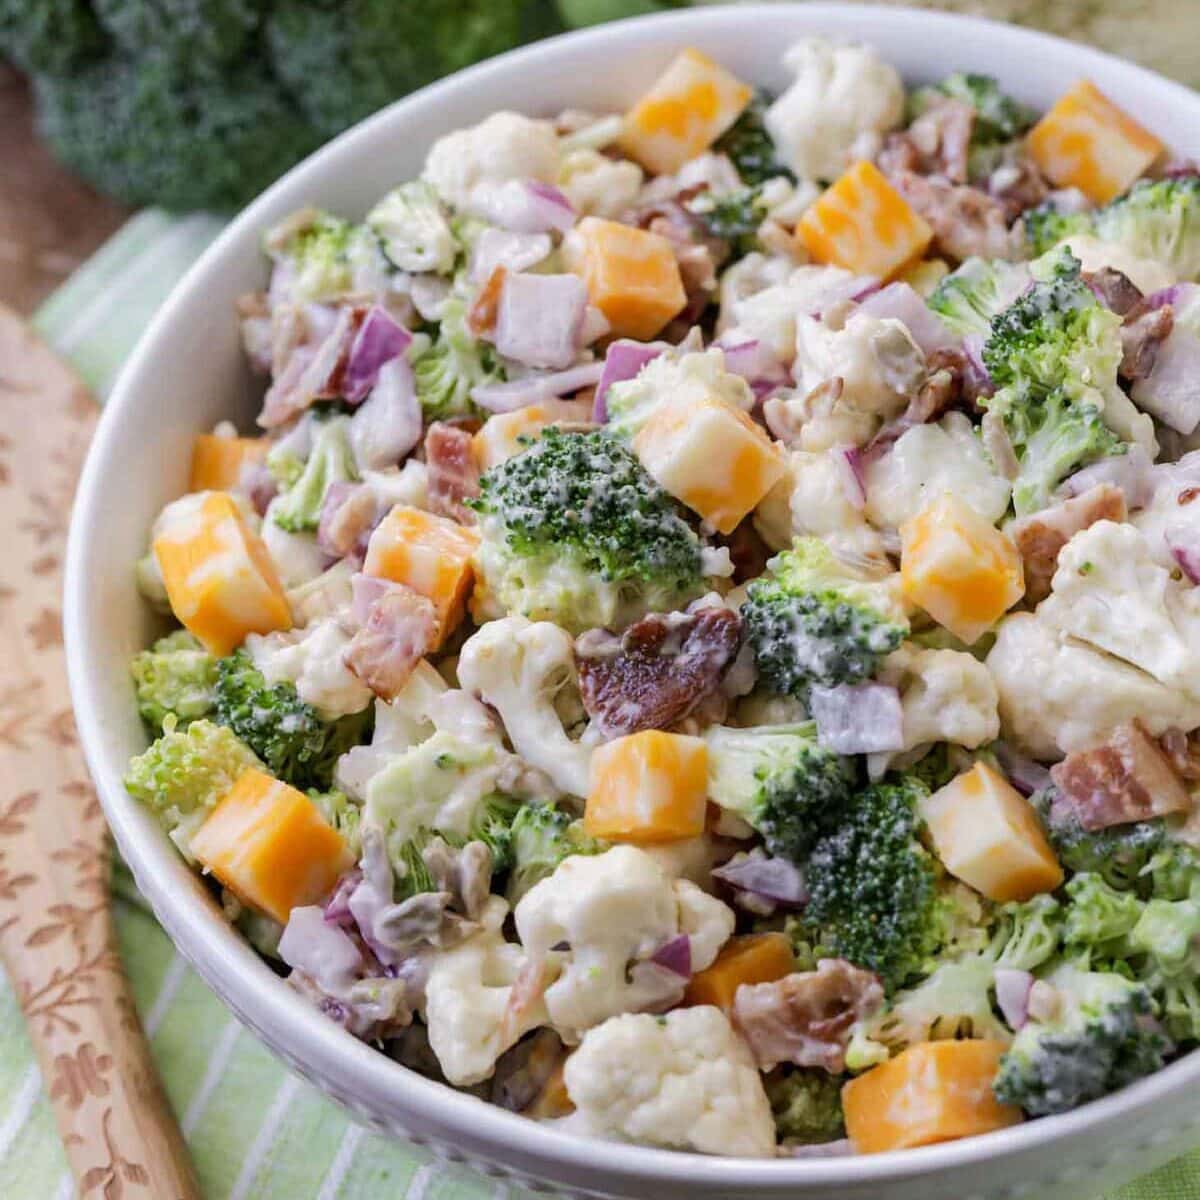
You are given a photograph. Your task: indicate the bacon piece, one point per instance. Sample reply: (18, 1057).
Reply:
(1113, 289)
(658, 671)
(1141, 336)
(1183, 753)
(805, 1018)
(941, 137)
(1126, 779)
(965, 221)
(400, 629)
(1041, 535)
(748, 552)
(481, 319)
(1018, 185)
(349, 511)
(453, 471)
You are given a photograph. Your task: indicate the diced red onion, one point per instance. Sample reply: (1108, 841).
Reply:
(365, 590)
(776, 879)
(1133, 472)
(1181, 541)
(429, 294)
(1178, 296)
(757, 365)
(257, 482)
(858, 718)
(850, 471)
(539, 319)
(979, 381)
(901, 302)
(1012, 995)
(516, 393)
(388, 424)
(837, 291)
(512, 251)
(524, 206)
(380, 338)
(320, 949)
(1023, 773)
(675, 955)
(623, 360)
(337, 907)
(1171, 391)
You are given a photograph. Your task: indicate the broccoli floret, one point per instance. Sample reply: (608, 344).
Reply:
(781, 781)
(812, 621)
(1168, 932)
(1028, 933)
(1046, 226)
(53, 36)
(1158, 219)
(1100, 1040)
(807, 1105)
(575, 531)
(330, 461)
(1173, 870)
(998, 117)
(175, 677)
(542, 836)
(873, 888)
(749, 147)
(344, 814)
(288, 734)
(453, 364)
(185, 772)
(319, 255)
(734, 217)
(1099, 918)
(968, 298)
(491, 823)
(413, 230)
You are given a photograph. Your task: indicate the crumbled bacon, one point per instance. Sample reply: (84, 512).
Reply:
(658, 671)
(481, 319)
(806, 1018)
(941, 138)
(1041, 535)
(747, 551)
(1183, 752)
(1018, 185)
(1126, 779)
(453, 471)
(966, 222)
(400, 629)
(1113, 289)
(1141, 337)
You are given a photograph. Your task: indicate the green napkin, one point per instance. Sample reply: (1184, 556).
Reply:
(254, 1129)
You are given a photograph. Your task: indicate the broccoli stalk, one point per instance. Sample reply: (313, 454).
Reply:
(812, 621)
(452, 365)
(330, 461)
(807, 1105)
(779, 780)
(541, 836)
(174, 678)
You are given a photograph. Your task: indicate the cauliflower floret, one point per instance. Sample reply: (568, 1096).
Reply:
(526, 671)
(844, 99)
(505, 146)
(1109, 592)
(1146, 274)
(311, 658)
(613, 910)
(945, 696)
(686, 1081)
(927, 461)
(1058, 695)
(876, 359)
(468, 1001)
(599, 186)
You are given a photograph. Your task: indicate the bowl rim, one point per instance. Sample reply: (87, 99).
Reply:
(260, 998)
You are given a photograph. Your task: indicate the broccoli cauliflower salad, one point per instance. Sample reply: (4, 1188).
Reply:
(703, 650)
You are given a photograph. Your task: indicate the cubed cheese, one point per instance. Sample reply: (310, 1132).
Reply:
(648, 787)
(692, 103)
(217, 462)
(1085, 141)
(499, 438)
(987, 835)
(632, 276)
(863, 224)
(751, 958)
(270, 846)
(711, 457)
(428, 553)
(932, 1092)
(218, 575)
(960, 569)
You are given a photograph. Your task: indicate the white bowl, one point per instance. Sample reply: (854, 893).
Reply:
(188, 372)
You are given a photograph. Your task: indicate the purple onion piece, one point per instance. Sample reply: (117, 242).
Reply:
(901, 302)
(775, 879)
(1171, 391)
(364, 591)
(380, 338)
(539, 319)
(1023, 773)
(858, 718)
(517, 393)
(1182, 544)
(552, 206)
(675, 955)
(337, 907)
(1012, 995)
(850, 470)
(623, 360)
(387, 426)
(1133, 472)
(319, 948)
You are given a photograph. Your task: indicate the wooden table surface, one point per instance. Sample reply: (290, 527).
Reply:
(49, 220)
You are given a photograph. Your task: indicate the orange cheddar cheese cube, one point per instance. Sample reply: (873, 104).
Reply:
(933, 1092)
(217, 462)
(863, 224)
(711, 457)
(691, 104)
(987, 834)
(648, 787)
(750, 958)
(499, 439)
(1085, 141)
(632, 276)
(428, 553)
(270, 846)
(959, 568)
(219, 577)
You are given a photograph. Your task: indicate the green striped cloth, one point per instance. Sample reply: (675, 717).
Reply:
(255, 1130)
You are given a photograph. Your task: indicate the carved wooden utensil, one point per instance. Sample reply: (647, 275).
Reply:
(56, 930)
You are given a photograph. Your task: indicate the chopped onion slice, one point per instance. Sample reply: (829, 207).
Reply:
(516, 393)
(320, 949)
(1012, 995)
(675, 955)
(623, 360)
(901, 302)
(858, 718)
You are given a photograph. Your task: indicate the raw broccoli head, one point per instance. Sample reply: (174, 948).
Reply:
(175, 677)
(1099, 918)
(873, 888)
(1158, 219)
(810, 621)
(749, 147)
(1102, 1038)
(185, 772)
(998, 117)
(414, 230)
(288, 734)
(1046, 226)
(734, 217)
(453, 364)
(330, 461)
(319, 255)
(542, 836)
(806, 1104)
(575, 531)
(968, 298)
(1173, 871)
(1028, 933)
(781, 781)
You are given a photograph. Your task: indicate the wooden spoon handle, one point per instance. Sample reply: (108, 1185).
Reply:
(56, 929)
